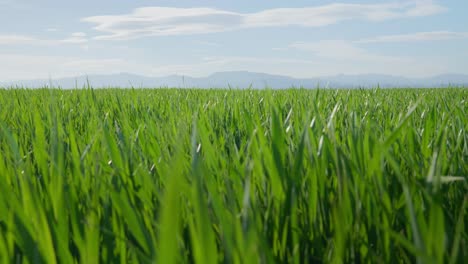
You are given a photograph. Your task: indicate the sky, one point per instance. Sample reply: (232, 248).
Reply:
(54, 39)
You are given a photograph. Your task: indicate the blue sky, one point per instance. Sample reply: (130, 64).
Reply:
(53, 39)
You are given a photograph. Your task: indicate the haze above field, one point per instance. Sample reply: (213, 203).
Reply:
(358, 41)
(244, 79)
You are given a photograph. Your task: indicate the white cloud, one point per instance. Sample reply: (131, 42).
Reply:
(343, 56)
(335, 13)
(157, 21)
(208, 65)
(165, 21)
(21, 67)
(16, 39)
(342, 50)
(418, 36)
(423, 8)
(78, 34)
(312, 67)
(76, 38)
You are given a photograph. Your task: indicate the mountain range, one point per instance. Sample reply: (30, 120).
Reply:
(244, 79)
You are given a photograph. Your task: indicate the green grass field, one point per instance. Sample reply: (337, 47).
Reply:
(233, 176)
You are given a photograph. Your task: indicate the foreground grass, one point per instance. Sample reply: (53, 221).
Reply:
(211, 176)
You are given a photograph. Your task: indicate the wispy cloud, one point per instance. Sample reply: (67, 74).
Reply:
(158, 21)
(342, 50)
(12, 39)
(418, 36)
(16, 39)
(76, 38)
(335, 13)
(166, 21)
(205, 66)
(310, 67)
(21, 66)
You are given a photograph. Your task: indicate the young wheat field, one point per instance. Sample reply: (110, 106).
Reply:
(233, 176)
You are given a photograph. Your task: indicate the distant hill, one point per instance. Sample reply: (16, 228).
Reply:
(244, 79)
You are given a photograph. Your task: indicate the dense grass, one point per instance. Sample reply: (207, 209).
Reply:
(211, 176)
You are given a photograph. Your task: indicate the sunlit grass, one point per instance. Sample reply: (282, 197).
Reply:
(234, 176)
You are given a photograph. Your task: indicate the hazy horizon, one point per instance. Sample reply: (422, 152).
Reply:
(243, 79)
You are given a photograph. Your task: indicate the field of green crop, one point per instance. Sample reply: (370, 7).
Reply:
(233, 176)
